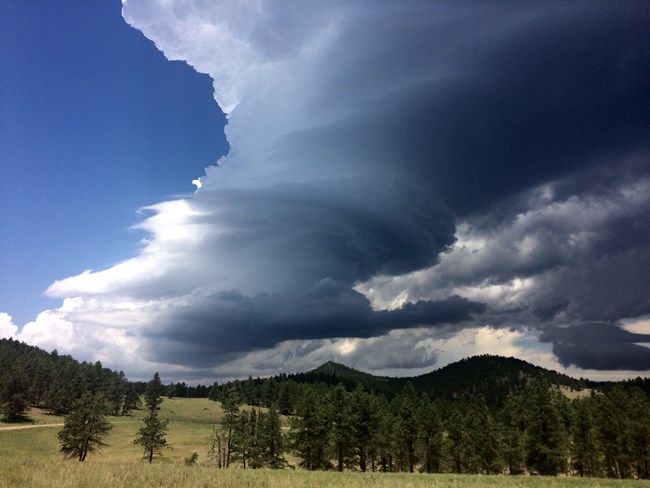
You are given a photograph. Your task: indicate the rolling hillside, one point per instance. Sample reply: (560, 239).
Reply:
(492, 377)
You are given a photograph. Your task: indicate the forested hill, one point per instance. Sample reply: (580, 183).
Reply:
(30, 376)
(332, 373)
(491, 378)
(494, 378)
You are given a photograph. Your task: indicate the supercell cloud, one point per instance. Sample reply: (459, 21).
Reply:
(423, 167)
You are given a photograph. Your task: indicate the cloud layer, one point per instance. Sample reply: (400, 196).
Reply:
(436, 167)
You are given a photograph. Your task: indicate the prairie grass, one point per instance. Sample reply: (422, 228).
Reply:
(30, 458)
(98, 474)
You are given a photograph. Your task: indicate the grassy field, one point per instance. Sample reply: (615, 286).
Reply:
(30, 458)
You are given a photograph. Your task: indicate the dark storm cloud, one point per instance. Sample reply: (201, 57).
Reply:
(599, 346)
(523, 97)
(221, 327)
(493, 151)
(485, 107)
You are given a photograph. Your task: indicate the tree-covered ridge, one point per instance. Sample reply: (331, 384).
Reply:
(493, 378)
(30, 376)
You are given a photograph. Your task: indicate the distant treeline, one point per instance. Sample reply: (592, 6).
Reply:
(30, 376)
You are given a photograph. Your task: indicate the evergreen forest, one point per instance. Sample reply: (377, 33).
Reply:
(486, 414)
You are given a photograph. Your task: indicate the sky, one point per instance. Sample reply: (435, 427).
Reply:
(213, 190)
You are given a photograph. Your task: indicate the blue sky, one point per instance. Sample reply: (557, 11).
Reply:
(95, 123)
(398, 185)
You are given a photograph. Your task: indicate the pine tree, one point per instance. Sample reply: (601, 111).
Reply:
(84, 427)
(513, 429)
(271, 441)
(547, 439)
(365, 425)
(151, 436)
(459, 443)
(230, 406)
(430, 434)
(405, 408)
(341, 424)
(639, 410)
(153, 394)
(587, 449)
(615, 428)
(312, 431)
(14, 398)
(486, 438)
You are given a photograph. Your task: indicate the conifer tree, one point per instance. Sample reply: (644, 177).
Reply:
(151, 436)
(547, 439)
(312, 431)
(365, 426)
(459, 443)
(341, 424)
(486, 438)
(638, 408)
(230, 406)
(429, 434)
(587, 449)
(405, 406)
(14, 398)
(153, 394)
(271, 442)
(84, 427)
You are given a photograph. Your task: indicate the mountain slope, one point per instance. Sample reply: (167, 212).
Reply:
(493, 377)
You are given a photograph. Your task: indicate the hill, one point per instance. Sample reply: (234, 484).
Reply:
(495, 378)
(332, 373)
(30, 376)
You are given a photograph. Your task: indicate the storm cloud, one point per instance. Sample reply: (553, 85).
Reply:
(411, 165)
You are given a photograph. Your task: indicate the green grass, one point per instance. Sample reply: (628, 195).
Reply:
(30, 458)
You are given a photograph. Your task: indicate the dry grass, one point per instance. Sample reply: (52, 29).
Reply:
(75, 474)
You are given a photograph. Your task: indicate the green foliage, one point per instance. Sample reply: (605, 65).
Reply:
(270, 442)
(587, 444)
(312, 432)
(365, 425)
(14, 398)
(405, 408)
(151, 436)
(84, 427)
(342, 418)
(547, 439)
(191, 460)
(430, 435)
(30, 376)
(153, 394)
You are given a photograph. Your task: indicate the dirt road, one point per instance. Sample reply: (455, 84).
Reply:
(18, 427)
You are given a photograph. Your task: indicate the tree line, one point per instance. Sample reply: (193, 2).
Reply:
(539, 431)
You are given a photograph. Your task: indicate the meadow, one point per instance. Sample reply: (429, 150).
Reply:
(31, 458)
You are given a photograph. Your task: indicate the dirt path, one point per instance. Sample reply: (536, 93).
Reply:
(18, 427)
